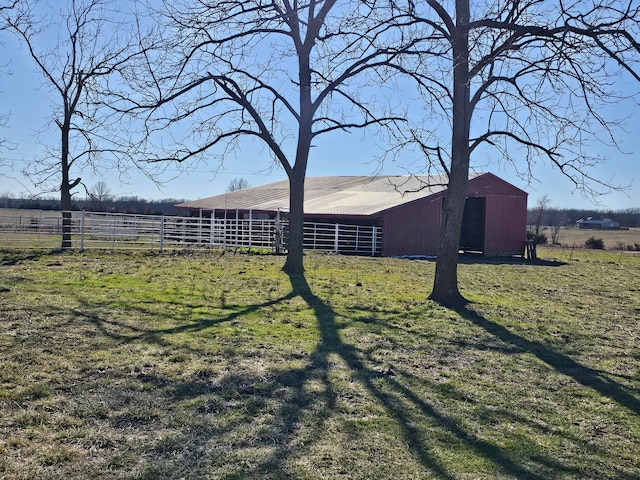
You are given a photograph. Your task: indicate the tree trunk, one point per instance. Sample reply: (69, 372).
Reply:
(295, 250)
(65, 206)
(445, 284)
(294, 263)
(65, 188)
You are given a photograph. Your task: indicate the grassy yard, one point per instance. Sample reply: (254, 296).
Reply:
(220, 366)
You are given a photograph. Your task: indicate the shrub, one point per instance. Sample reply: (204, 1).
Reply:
(540, 238)
(595, 243)
(619, 246)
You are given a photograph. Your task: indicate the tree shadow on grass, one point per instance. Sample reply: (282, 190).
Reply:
(134, 399)
(473, 259)
(295, 418)
(298, 416)
(399, 400)
(479, 259)
(564, 364)
(138, 333)
(15, 257)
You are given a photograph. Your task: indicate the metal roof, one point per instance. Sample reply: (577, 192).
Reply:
(357, 196)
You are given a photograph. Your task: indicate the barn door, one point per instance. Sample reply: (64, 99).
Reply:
(472, 232)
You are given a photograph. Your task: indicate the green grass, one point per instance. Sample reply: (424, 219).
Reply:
(193, 365)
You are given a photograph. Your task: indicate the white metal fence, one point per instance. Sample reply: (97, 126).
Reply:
(43, 229)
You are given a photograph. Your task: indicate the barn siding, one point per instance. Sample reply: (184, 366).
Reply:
(505, 225)
(412, 229)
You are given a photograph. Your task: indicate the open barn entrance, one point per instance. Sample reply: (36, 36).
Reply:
(473, 221)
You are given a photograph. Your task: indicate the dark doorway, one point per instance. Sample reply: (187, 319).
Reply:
(472, 232)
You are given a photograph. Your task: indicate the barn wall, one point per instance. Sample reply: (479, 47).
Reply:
(412, 229)
(505, 225)
(505, 215)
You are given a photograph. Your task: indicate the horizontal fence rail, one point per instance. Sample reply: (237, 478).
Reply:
(44, 229)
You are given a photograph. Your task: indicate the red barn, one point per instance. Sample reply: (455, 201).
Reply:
(408, 209)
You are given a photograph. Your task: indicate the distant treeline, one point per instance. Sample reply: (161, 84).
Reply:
(629, 217)
(117, 205)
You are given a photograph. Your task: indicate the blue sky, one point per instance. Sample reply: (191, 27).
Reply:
(22, 95)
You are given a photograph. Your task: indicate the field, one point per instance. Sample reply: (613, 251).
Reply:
(219, 366)
(613, 239)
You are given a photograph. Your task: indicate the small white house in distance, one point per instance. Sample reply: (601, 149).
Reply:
(597, 224)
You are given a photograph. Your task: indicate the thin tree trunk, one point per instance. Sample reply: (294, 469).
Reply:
(445, 284)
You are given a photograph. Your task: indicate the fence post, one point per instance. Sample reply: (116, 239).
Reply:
(224, 230)
(336, 243)
(373, 241)
(161, 232)
(211, 226)
(239, 233)
(82, 231)
(250, 226)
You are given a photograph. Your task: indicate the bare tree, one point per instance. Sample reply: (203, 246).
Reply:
(101, 192)
(526, 78)
(238, 184)
(98, 196)
(5, 6)
(86, 50)
(558, 219)
(281, 72)
(539, 212)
